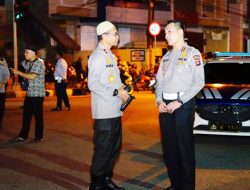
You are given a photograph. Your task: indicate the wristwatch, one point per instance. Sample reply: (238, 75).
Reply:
(180, 101)
(115, 92)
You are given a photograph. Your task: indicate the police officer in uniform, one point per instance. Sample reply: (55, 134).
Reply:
(4, 76)
(179, 78)
(107, 95)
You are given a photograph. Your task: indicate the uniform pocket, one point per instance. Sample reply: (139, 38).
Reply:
(102, 125)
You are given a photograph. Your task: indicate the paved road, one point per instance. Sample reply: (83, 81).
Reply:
(62, 161)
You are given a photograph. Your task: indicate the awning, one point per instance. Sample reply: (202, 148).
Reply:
(53, 29)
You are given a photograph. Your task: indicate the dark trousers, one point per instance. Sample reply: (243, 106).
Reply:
(178, 145)
(107, 145)
(32, 105)
(61, 94)
(2, 107)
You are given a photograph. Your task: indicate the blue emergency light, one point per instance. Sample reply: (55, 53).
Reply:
(232, 54)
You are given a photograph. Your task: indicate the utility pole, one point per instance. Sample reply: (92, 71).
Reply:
(150, 19)
(150, 38)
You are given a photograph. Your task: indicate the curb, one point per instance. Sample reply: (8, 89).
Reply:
(49, 92)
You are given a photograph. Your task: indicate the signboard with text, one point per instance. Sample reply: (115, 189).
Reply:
(137, 55)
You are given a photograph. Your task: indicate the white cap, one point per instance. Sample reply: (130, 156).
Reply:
(103, 27)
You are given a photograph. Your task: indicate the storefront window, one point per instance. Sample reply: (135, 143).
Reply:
(2, 2)
(158, 3)
(208, 8)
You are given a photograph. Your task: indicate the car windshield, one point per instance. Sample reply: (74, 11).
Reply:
(227, 73)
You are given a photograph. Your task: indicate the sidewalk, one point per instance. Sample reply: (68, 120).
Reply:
(51, 92)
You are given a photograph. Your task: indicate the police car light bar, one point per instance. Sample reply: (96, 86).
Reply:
(232, 54)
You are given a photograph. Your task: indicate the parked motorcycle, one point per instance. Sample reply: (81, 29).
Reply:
(152, 84)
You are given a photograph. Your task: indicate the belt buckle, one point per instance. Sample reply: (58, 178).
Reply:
(170, 96)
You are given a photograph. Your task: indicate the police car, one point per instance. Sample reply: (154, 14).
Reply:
(223, 105)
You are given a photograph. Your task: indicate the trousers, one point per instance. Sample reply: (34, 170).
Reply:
(178, 145)
(32, 105)
(2, 107)
(61, 94)
(107, 144)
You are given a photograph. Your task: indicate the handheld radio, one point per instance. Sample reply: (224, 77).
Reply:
(128, 88)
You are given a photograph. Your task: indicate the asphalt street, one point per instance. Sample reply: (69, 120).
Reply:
(62, 160)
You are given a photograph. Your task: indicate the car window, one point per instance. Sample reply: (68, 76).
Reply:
(227, 73)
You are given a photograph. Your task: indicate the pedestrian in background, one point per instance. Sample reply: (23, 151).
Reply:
(78, 67)
(4, 76)
(107, 95)
(41, 54)
(33, 101)
(61, 82)
(179, 78)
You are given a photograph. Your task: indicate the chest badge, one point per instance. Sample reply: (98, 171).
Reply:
(111, 78)
(183, 56)
(108, 60)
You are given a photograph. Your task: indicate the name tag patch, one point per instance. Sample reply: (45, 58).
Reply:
(109, 65)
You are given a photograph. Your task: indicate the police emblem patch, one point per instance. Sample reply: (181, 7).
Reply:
(197, 59)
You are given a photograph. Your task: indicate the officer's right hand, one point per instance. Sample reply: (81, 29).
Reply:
(123, 94)
(162, 107)
(1, 84)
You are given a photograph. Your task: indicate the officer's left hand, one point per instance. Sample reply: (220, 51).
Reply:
(123, 94)
(172, 106)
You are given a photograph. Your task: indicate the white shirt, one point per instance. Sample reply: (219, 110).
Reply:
(60, 70)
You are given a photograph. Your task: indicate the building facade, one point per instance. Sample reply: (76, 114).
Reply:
(218, 25)
(212, 25)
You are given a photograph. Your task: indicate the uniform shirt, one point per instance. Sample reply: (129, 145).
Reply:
(36, 86)
(4, 74)
(60, 70)
(103, 79)
(180, 71)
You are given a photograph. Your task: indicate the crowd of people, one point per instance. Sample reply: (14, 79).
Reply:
(31, 74)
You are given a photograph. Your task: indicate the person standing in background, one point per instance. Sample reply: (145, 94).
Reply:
(33, 102)
(179, 78)
(61, 82)
(78, 67)
(4, 76)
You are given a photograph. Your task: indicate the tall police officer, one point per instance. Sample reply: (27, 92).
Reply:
(180, 77)
(107, 94)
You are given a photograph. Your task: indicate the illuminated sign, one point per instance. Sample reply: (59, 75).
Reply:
(154, 29)
(229, 54)
(137, 55)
